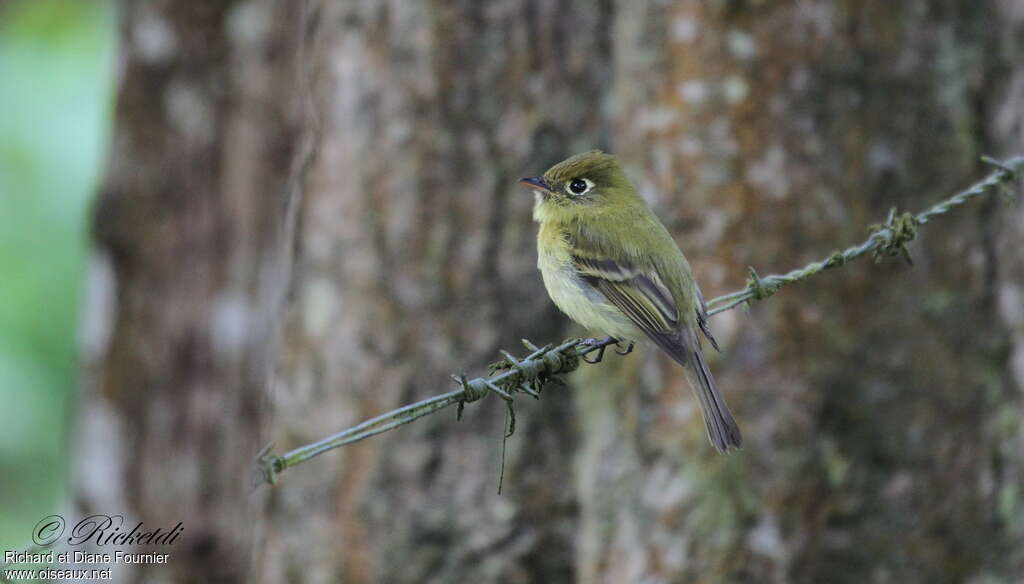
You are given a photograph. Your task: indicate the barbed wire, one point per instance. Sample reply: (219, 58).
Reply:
(546, 365)
(886, 240)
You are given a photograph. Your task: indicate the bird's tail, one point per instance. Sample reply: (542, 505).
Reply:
(722, 429)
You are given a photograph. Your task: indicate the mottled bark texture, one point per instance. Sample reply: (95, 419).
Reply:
(312, 218)
(212, 137)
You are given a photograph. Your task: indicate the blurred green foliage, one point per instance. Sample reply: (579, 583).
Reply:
(56, 67)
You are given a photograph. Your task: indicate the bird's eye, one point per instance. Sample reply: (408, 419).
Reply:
(578, 186)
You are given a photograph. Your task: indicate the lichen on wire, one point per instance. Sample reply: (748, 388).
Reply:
(546, 365)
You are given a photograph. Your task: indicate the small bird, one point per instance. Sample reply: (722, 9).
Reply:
(611, 266)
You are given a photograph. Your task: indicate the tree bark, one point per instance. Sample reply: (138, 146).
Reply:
(417, 260)
(196, 221)
(312, 218)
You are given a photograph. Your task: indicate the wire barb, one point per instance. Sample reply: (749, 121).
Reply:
(759, 288)
(897, 231)
(1009, 170)
(268, 466)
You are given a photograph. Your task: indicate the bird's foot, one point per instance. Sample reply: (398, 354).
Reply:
(601, 345)
(626, 351)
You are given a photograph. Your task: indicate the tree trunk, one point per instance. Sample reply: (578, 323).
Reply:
(196, 220)
(312, 218)
(416, 261)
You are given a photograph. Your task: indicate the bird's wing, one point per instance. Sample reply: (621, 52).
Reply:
(702, 320)
(641, 294)
(643, 297)
(639, 291)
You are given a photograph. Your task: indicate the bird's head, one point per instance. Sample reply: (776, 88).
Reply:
(587, 181)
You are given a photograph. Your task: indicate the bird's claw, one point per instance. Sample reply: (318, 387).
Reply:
(597, 358)
(626, 351)
(601, 345)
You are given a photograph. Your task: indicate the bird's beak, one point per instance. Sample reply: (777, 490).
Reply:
(536, 182)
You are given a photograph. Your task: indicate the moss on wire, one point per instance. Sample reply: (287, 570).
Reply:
(546, 365)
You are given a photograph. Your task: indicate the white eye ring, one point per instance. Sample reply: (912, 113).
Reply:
(588, 184)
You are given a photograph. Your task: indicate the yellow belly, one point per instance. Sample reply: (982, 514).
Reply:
(580, 301)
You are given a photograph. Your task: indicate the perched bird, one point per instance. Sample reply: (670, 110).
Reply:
(611, 266)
